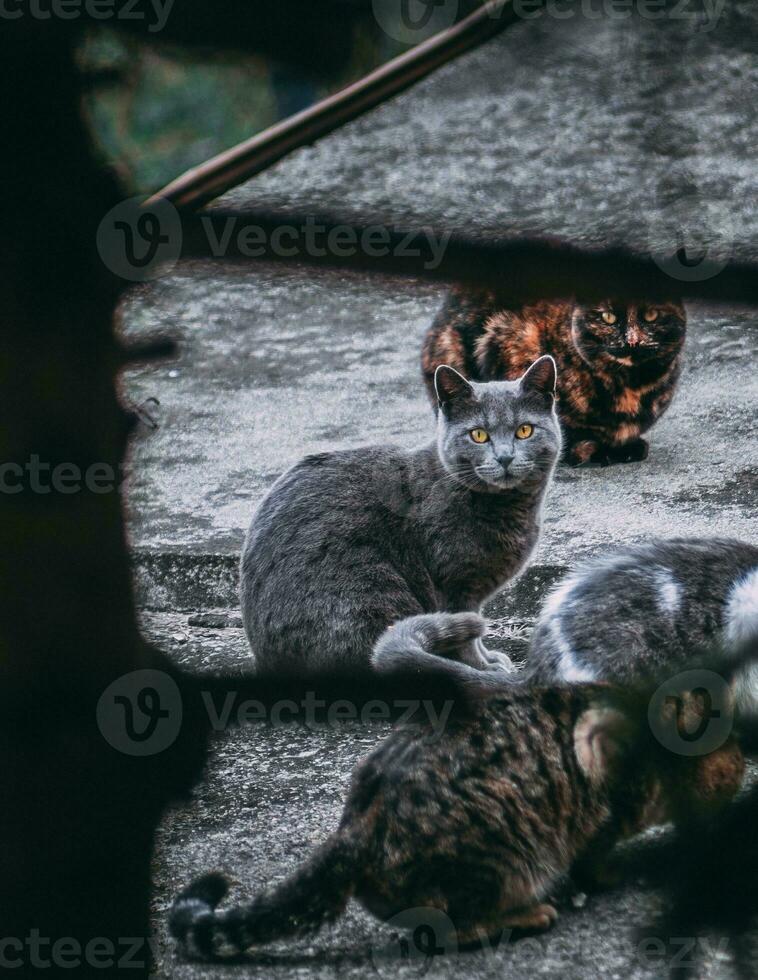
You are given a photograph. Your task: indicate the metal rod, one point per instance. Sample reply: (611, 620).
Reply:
(207, 181)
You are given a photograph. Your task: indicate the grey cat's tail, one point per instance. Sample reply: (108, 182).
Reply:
(429, 643)
(317, 893)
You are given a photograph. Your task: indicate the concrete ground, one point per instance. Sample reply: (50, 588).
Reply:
(599, 132)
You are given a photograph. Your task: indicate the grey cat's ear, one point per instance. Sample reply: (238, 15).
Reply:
(541, 376)
(600, 737)
(450, 385)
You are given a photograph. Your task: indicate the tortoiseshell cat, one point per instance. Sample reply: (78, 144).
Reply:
(617, 365)
(481, 821)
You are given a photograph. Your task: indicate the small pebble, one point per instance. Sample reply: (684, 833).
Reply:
(179, 637)
(579, 900)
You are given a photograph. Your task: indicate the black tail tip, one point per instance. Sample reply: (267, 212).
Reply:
(209, 889)
(192, 914)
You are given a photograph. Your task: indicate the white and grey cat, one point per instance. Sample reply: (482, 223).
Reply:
(634, 613)
(646, 608)
(347, 543)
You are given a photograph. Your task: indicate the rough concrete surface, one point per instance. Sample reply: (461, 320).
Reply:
(271, 795)
(277, 365)
(599, 131)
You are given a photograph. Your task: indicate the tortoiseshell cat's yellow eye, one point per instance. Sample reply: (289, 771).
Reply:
(524, 431)
(609, 317)
(651, 316)
(480, 435)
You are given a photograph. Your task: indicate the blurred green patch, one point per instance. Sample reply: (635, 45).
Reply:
(156, 111)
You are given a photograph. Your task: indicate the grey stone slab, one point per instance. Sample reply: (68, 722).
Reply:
(275, 364)
(270, 795)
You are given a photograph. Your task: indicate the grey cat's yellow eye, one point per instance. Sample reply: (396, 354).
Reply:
(480, 435)
(651, 316)
(524, 431)
(609, 317)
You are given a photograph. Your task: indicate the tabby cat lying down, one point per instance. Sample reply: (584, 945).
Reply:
(479, 822)
(618, 364)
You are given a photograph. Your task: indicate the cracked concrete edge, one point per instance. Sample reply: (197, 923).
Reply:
(191, 581)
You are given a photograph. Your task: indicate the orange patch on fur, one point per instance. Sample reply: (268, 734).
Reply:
(583, 452)
(628, 401)
(626, 432)
(449, 349)
(572, 389)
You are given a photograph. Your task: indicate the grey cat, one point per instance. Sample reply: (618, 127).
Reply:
(347, 543)
(633, 613)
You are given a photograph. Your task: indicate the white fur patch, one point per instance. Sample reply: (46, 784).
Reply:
(741, 627)
(552, 605)
(741, 616)
(669, 596)
(568, 669)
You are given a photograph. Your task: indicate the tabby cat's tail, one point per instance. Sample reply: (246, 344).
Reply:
(433, 644)
(316, 894)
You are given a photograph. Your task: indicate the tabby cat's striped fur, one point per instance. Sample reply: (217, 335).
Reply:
(480, 821)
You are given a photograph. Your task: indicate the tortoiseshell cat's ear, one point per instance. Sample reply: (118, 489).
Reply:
(600, 736)
(541, 376)
(449, 385)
